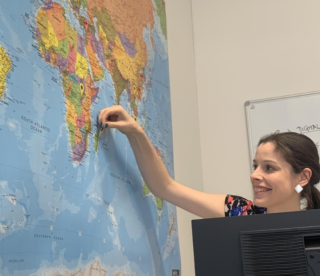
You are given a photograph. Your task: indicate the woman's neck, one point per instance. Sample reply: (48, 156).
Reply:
(291, 207)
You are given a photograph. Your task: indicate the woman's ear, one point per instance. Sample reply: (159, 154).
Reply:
(305, 176)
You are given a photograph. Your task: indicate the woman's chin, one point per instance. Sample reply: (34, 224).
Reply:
(261, 199)
(260, 202)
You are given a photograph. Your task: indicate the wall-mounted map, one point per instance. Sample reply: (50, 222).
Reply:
(72, 200)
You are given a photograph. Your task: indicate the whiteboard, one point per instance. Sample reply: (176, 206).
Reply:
(298, 113)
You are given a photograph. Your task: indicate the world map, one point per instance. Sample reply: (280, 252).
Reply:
(72, 199)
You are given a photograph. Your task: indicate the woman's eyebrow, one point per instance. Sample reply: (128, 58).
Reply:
(265, 161)
(269, 161)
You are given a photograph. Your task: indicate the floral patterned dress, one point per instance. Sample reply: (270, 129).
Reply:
(239, 206)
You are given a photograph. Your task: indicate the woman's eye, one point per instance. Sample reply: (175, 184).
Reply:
(269, 168)
(254, 167)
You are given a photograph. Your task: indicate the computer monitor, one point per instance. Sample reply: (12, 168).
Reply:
(258, 245)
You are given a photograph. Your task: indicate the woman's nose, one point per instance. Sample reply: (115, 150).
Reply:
(256, 175)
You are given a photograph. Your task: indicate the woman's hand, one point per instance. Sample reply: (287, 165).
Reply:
(116, 117)
(153, 170)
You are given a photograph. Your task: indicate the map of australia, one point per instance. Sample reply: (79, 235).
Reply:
(72, 199)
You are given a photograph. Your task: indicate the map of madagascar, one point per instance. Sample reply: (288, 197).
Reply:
(82, 59)
(5, 67)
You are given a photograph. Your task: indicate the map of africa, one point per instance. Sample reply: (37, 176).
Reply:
(72, 199)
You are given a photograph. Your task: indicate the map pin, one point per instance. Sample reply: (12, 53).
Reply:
(86, 24)
(81, 88)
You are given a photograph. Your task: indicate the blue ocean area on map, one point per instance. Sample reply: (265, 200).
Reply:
(62, 215)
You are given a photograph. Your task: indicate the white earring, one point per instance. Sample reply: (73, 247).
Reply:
(298, 189)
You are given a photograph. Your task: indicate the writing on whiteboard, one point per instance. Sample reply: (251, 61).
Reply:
(303, 129)
(278, 131)
(306, 129)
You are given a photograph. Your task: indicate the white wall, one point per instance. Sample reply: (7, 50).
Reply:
(246, 50)
(243, 50)
(186, 136)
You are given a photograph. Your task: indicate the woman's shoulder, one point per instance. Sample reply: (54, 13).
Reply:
(239, 206)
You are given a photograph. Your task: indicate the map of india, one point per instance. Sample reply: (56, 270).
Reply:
(72, 199)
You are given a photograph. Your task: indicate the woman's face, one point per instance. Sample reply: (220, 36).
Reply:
(273, 180)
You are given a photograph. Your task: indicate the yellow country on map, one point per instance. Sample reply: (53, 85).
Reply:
(5, 66)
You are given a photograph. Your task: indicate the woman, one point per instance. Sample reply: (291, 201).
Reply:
(286, 169)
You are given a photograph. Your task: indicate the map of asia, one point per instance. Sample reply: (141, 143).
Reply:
(72, 200)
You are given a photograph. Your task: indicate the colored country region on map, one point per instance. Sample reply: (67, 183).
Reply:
(97, 137)
(157, 200)
(5, 67)
(171, 226)
(114, 42)
(63, 47)
(93, 269)
(121, 45)
(161, 11)
(146, 191)
(78, 4)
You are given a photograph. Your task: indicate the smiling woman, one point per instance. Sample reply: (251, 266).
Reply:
(286, 170)
(290, 160)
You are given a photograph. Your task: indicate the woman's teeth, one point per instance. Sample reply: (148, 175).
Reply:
(260, 190)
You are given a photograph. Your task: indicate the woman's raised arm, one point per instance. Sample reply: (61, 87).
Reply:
(155, 173)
